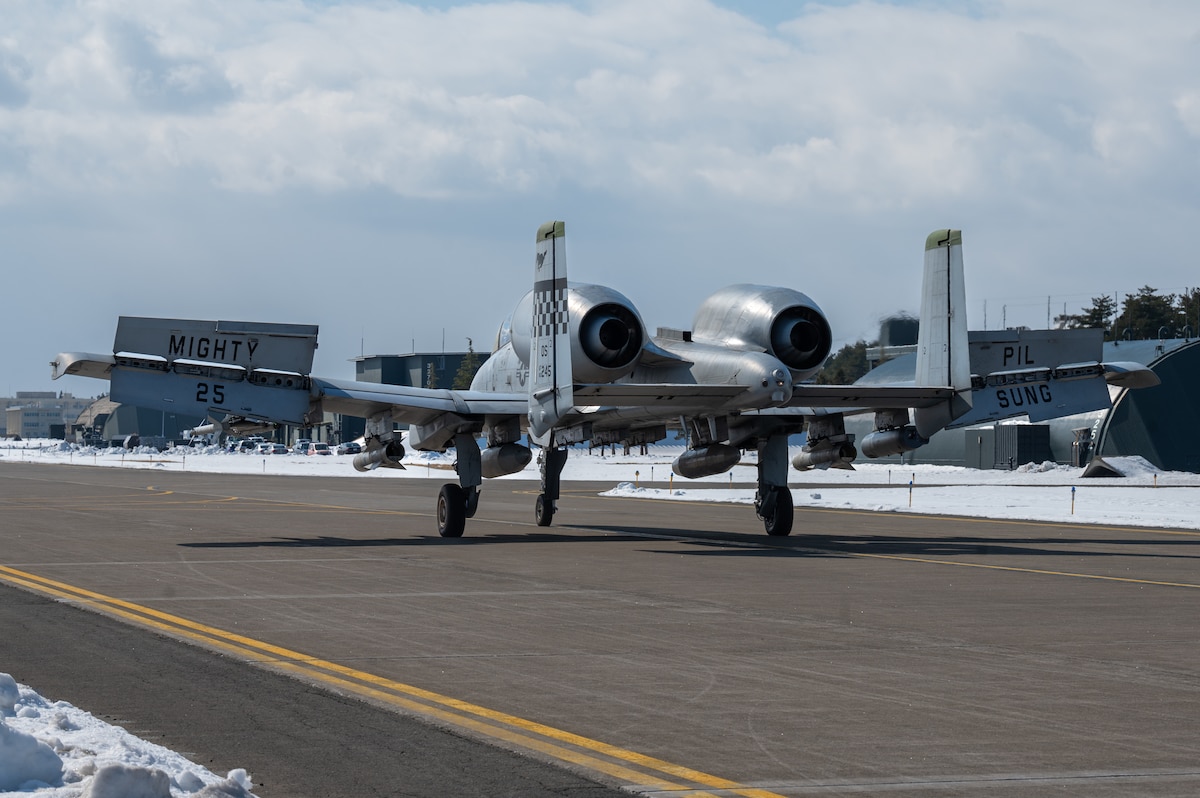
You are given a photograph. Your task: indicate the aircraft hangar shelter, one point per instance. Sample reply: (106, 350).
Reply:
(1158, 423)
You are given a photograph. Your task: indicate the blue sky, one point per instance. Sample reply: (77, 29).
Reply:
(379, 168)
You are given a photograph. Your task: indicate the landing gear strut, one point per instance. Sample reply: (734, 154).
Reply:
(550, 464)
(773, 500)
(457, 503)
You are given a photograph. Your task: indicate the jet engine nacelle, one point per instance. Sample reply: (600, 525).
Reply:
(388, 456)
(780, 321)
(715, 458)
(607, 333)
(892, 441)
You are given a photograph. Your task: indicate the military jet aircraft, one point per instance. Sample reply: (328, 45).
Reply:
(575, 363)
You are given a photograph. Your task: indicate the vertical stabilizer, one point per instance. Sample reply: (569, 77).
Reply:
(550, 377)
(943, 356)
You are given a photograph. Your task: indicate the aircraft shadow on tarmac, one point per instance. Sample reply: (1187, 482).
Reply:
(330, 541)
(733, 544)
(801, 545)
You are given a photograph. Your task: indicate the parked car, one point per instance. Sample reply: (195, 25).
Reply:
(349, 447)
(277, 448)
(319, 448)
(262, 448)
(302, 447)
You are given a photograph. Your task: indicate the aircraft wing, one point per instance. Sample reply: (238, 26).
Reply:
(412, 405)
(654, 394)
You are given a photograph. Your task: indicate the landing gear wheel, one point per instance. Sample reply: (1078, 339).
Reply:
(451, 511)
(778, 522)
(543, 510)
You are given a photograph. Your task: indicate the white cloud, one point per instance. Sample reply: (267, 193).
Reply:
(671, 97)
(1044, 129)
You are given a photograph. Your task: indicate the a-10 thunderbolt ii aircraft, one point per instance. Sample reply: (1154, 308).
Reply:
(574, 363)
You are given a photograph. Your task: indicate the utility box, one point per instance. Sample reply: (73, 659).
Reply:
(1017, 444)
(979, 447)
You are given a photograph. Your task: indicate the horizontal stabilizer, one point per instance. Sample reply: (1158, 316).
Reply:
(869, 397)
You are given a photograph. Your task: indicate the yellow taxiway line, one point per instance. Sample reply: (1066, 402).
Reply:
(644, 773)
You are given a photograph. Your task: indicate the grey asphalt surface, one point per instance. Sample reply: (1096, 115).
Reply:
(869, 653)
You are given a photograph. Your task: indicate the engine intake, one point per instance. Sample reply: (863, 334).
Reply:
(801, 338)
(606, 333)
(611, 336)
(783, 322)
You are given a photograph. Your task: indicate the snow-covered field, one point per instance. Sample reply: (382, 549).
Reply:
(53, 750)
(1036, 492)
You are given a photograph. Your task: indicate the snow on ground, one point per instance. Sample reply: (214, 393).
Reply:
(1036, 492)
(53, 750)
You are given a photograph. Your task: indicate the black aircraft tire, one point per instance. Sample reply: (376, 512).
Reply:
(543, 510)
(779, 524)
(451, 511)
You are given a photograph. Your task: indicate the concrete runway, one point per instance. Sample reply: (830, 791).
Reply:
(672, 649)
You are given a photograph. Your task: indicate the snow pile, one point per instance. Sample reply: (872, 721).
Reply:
(54, 750)
(1039, 468)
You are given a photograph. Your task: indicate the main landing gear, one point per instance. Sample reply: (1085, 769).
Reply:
(550, 464)
(773, 499)
(457, 503)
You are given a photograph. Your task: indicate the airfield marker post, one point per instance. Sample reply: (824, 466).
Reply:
(1072, 500)
(910, 487)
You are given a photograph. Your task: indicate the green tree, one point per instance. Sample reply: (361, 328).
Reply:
(1100, 315)
(1188, 305)
(466, 370)
(1145, 314)
(846, 366)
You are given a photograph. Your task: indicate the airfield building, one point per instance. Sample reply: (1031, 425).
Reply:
(39, 414)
